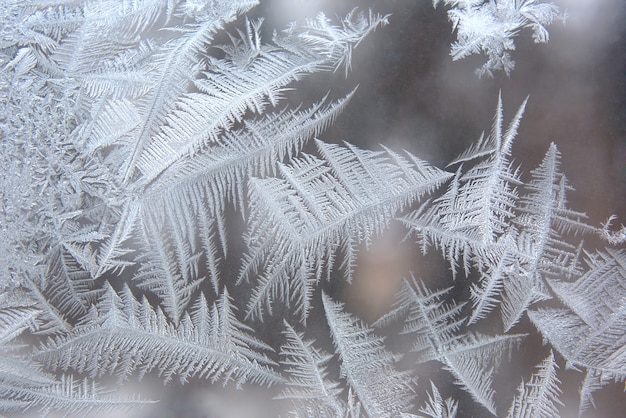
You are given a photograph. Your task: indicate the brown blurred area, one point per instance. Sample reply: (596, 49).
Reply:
(378, 276)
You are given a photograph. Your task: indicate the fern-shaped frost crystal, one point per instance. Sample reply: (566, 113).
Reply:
(210, 343)
(341, 200)
(366, 365)
(309, 387)
(471, 218)
(471, 358)
(436, 406)
(590, 332)
(539, 396)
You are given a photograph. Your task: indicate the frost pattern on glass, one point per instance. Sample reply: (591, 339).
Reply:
(139, 136)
